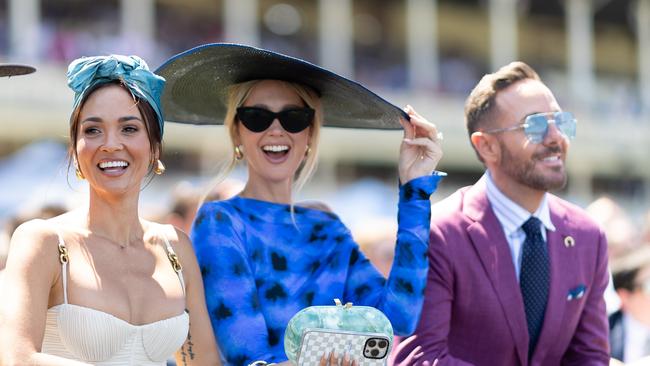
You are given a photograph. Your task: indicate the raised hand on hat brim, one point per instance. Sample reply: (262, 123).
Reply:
(421, 148)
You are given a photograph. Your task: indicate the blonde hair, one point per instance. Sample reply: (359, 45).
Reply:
(237, 95)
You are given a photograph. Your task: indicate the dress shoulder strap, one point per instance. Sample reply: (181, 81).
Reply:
(173, 259)
(63, 258)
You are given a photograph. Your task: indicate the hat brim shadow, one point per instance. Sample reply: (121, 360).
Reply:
(198, 82)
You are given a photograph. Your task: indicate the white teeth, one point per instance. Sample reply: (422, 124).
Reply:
(113, 164)
(275, 148)
(552, 158)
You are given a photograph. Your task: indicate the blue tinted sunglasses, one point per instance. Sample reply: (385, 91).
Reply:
(536, 126)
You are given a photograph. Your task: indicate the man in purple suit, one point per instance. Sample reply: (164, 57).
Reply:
(516, 274)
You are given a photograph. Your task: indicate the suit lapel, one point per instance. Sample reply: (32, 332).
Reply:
(562, 267)
(490, 243)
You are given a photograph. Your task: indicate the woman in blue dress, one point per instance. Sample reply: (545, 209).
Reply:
(264, 258)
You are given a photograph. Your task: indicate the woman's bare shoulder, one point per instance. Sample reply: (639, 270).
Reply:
(35, 244)
(37, 232)
(176, 237)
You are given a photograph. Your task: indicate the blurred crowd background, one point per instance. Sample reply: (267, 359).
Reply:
(594, 54)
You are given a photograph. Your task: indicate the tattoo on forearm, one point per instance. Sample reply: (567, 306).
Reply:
(189, 346)
(183, 356)
(186, 349)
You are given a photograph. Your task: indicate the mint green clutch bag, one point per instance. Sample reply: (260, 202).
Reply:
(340, 317)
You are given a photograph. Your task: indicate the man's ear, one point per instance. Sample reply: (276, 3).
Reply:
(487, 147)
(624, 296)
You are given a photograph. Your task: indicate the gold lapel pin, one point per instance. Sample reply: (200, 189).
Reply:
(569, 241)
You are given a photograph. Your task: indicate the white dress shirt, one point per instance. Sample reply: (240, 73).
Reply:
(637, 338)
(511, 216)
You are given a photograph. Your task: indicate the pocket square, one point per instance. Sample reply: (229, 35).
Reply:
(576, 292)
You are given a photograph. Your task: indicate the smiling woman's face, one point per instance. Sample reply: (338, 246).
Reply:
(112, 147)
(274, 154)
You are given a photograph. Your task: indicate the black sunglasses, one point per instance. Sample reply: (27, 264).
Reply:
(259, 119)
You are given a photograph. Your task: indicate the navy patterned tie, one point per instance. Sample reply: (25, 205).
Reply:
(534, 279)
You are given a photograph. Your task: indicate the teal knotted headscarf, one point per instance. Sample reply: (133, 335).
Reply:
(87, 72)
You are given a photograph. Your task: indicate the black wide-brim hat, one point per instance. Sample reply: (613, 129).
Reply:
(198, 80)
(13, 70)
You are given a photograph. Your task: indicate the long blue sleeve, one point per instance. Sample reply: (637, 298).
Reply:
(401, 296)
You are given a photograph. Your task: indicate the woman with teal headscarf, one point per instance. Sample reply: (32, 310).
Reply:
(101, 285)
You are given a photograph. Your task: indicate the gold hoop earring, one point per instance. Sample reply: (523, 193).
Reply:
(159, 168)
(238, 153)
(308, 151)
(78, 172)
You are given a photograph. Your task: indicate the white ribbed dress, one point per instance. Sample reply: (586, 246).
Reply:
(93, 336)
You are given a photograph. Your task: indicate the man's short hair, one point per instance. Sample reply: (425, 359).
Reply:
(480, 105)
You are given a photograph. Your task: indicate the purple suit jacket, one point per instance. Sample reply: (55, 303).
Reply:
(473, 311)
